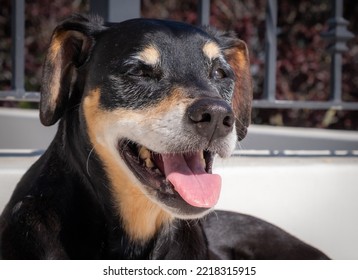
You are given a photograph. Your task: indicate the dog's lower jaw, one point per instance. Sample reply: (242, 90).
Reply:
(141, 217)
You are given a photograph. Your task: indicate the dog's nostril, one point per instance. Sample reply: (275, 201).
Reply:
(211, 118)
(206, 117)
(199, 115)
(228, 121)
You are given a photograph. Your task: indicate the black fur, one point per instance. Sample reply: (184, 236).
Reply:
(63, 207)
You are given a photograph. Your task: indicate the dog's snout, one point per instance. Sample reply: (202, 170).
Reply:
(211, 118)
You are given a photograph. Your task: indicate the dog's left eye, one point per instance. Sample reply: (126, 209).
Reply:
(136, 72)
(145, 72)
(218, 73)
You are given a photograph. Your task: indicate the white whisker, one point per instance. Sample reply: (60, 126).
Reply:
(87, 161)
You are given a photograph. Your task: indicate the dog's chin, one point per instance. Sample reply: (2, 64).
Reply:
(148, 168)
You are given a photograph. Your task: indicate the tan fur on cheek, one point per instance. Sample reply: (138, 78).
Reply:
(141, 217)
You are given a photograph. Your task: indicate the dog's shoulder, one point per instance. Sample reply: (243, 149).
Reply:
(247, 237)
(47, 204)
(27, 216)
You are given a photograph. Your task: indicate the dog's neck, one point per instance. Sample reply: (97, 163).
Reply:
(185, 236)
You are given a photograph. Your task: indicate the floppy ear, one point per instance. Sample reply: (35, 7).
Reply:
(69, 48)
(237, 55)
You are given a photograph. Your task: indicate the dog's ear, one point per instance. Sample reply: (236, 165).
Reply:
(70, 47)
(237, 55)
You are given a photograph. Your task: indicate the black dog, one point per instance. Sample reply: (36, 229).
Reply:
(144, 106)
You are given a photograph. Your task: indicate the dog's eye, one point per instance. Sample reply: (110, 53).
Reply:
(218, 73)
(136, 72)
(145, 72)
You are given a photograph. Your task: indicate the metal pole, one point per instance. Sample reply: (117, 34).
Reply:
(114, 10)
(204, 12)
(337, 35)
(270, 51)
(18, 49)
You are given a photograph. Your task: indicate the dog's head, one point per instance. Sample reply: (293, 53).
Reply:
(159, 100)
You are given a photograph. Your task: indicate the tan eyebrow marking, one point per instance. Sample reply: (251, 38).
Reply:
(211, 50)
(149, 55)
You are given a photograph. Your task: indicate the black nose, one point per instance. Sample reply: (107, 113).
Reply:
(212, 118)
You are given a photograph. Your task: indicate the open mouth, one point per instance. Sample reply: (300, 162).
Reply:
(187, 176)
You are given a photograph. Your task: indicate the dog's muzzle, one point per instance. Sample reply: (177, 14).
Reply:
(182, 172)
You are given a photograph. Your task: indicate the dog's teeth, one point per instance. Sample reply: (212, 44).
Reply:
(144, 154)
(149, 163)
(202, 160)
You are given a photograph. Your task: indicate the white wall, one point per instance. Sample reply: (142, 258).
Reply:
(315, 199)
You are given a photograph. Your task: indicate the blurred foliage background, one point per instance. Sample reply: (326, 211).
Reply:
(303, 64)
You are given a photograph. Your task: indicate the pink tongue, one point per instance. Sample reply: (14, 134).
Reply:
(191, 181)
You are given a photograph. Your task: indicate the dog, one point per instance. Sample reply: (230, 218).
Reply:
(143, 107)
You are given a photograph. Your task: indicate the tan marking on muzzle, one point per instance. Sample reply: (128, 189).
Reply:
(176, 98)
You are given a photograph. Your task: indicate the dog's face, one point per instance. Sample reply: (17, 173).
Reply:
(159, 100)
